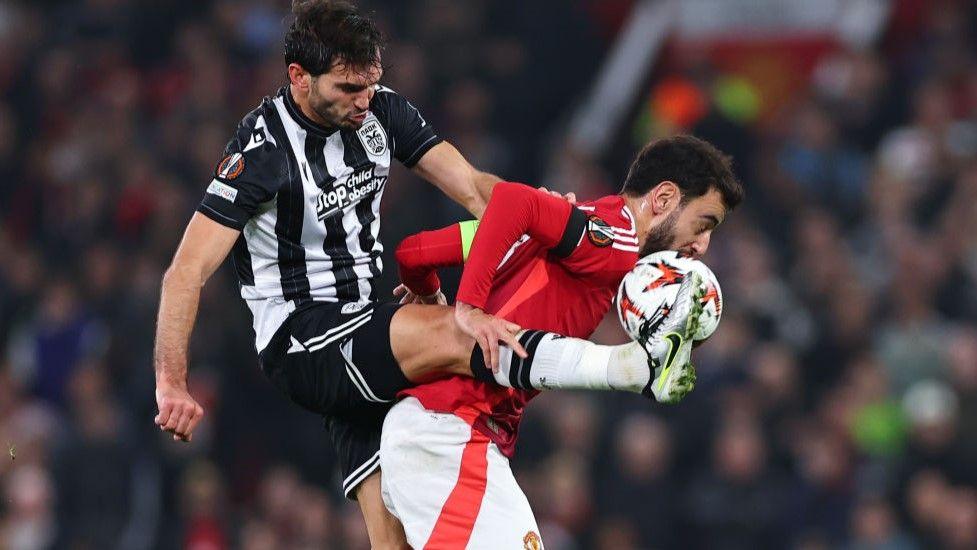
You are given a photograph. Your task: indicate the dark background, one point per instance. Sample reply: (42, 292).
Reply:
(836, 405)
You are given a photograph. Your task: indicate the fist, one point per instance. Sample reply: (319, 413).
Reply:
(179, 413)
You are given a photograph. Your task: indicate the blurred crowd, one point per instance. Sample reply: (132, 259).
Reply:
(836, 405)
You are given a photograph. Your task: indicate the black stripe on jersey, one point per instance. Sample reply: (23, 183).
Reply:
(288, 226)
(576, 225)
(242, 261)
(288, 230)
(355, 156)
(334, 244)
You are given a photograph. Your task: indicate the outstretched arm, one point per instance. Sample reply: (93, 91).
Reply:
(205, 245)
(514, 210)
(419, 256)
(446, 168)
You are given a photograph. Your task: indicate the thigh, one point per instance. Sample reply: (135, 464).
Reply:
(420, 456)
(334, 358)
(427, 343)
(356, 438)
(506, 519)
(384, 530)
(449, 485)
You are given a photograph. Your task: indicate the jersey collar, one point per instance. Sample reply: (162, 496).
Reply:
(305, 122)
(629, 216)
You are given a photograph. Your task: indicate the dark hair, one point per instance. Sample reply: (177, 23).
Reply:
(693, 164)
(327, 32)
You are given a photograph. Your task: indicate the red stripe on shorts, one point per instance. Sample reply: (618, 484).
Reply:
(457, 518)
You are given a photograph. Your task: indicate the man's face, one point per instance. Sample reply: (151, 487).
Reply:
(342, 96)
(688, 227)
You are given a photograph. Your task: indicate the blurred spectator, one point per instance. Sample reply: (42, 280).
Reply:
(874, 527)
(836, 405)
(738, 504)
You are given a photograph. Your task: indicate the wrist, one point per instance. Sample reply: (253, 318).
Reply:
(168, 382)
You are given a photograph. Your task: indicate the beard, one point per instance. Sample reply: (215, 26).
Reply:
(662, 236)
(328, 111)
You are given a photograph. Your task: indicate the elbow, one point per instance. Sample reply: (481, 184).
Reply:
(513, 197)
(406, 252)
(179, 275)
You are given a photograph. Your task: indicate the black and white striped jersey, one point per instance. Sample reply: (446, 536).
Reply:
(307, 201)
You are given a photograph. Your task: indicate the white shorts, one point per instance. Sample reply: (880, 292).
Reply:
(449, 485)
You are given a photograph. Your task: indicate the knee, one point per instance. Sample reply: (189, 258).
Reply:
(460, 345)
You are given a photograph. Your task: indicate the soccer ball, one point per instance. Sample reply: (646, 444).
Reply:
(650, 289)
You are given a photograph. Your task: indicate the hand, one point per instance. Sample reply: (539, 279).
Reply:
(570, 197)
(408, 297)
(179, 413)
(488, 330)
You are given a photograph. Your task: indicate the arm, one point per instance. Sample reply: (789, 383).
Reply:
(418, 147)
(419, 256)
(513, 211)
(447, 169)
(205, 245)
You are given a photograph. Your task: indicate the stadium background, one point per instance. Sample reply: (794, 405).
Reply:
(836, 406)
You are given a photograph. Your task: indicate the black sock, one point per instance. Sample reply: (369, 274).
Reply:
(514, 371)
(480, 370)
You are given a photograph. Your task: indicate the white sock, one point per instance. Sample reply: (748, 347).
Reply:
(559, 363)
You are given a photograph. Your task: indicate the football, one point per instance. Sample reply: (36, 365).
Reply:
(649, 290)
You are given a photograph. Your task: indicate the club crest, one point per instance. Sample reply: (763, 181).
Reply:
(599, 232)
(373, 137)
(231, 167)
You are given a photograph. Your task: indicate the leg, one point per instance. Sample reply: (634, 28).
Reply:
(469, 499)
(658, 365)
(428, 344)
(385, 530)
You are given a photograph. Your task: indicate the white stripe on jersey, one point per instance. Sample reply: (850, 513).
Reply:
(268, 314)
(382, 169)
(627, 214)
(626, 240)
(335, 153)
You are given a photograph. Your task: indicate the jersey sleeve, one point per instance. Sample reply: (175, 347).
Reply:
(252, 170)
(602, 249)
(419, 256)
(514, 210)
(410, 135)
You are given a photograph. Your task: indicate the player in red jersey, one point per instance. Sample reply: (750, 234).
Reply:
(543, 264)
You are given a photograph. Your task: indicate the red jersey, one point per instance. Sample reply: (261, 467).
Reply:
(537, 261)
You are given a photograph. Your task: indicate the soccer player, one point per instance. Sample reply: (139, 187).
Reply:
(297, 199)
(444, 447)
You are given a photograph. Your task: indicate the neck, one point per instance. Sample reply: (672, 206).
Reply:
(302, 100)
(641, 209)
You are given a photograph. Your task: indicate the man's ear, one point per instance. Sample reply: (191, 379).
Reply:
(299, 77)
(664, 197)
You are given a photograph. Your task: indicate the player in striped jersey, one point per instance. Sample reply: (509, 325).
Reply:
(295, 201)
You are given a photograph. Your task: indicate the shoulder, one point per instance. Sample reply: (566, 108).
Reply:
(262, 125)
(387, 104)
(612, 211)
(260, 136)
(611, 225)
